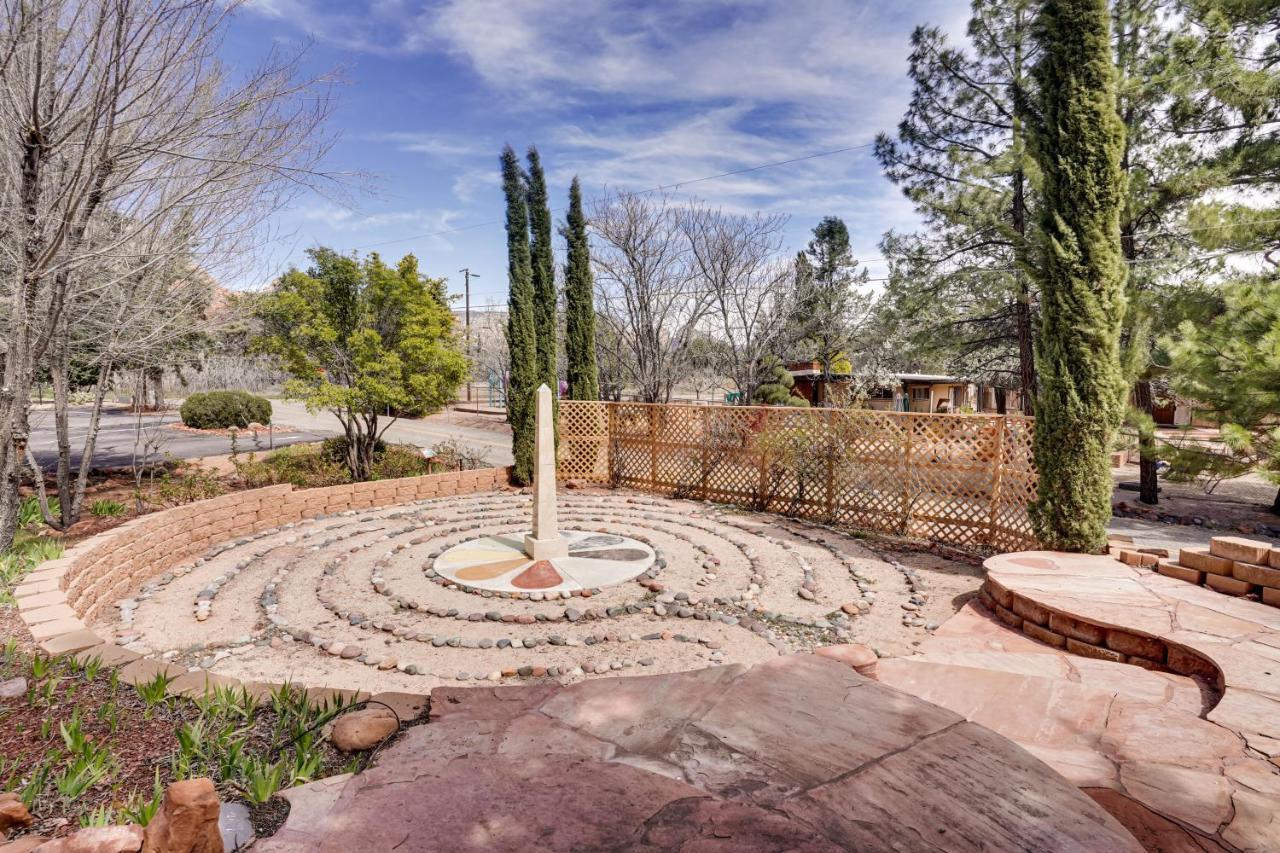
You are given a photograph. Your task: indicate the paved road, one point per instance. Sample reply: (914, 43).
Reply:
(116, 436)
(494, 446)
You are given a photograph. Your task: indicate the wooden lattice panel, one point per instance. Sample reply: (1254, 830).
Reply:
(584, 441)
(959, 479)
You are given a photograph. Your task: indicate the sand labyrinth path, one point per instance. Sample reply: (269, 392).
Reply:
(354, 600)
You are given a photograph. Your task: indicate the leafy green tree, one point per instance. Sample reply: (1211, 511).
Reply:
(542, 261)
(1078, 143)
(579, 304)
(775, 389)
(361, 339)
(959, 288)
(1230, 364)
(522, 343)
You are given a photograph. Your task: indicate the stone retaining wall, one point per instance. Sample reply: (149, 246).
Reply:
(61, 595)
(1090, 639)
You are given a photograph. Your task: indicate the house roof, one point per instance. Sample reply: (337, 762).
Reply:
(813, 373)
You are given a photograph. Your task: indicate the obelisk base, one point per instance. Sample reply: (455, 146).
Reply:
(546, 549)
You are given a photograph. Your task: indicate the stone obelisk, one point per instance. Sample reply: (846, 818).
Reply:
(546, 542)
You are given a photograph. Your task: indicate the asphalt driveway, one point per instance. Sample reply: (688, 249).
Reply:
(118, 437)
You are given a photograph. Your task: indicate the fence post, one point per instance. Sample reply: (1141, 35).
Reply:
(995, 487)
(829, 506)
(653, 446)
(704, 469)
(906, 475)
(611, 445)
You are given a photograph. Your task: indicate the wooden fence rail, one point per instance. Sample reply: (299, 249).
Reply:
(959, 479)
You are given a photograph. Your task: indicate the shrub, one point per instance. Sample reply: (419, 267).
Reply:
(303, 465)
(310, 466)
(225, 409)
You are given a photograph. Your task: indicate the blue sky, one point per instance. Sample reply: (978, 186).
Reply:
(627, 95)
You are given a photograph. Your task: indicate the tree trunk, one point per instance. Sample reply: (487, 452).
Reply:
(60, 370)
(1002, 404)
(155, 376)
(1149, 487)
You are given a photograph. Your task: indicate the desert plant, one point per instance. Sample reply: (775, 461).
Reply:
(105, 508)
(260, 779)
(140, 808)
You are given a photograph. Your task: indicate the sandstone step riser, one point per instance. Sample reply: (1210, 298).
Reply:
(1200, 558)
(1239, 549)
(1081, 637)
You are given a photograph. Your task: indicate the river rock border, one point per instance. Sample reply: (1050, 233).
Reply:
(57, 599)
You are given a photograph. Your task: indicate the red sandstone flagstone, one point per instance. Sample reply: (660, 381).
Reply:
(801, 753)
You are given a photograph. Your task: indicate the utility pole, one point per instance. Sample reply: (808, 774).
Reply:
(467, 274)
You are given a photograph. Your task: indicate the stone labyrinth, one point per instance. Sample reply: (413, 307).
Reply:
(376, 599)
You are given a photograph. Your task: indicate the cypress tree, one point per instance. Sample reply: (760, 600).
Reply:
(579, 304)
(1078, 144)
(544, 274)
(521, 341)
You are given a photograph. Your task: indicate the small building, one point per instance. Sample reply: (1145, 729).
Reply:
(904, 392)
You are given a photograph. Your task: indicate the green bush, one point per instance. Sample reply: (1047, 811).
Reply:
(309, 466)
(225, 409)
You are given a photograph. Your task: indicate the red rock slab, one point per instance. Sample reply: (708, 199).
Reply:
(799, 753)
(541, 575)
(935, 796)
(554, 802)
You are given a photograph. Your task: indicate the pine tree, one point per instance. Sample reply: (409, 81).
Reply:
(1078, 143)
(958, 288)
(521, 338)
(1229, 362)
(829, 309)
(579, 304)
(776, 385)
(542, 259)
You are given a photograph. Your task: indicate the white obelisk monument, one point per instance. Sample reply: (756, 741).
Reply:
(546, 542)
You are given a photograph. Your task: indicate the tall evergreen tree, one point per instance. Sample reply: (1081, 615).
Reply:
(828, 310)
(521, 338)
(543, 263)
(579, 304)
(1078, 143)
(960, 287)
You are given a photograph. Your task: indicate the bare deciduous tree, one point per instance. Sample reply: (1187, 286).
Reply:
(125, 147)
(738, 259)
(648, 295)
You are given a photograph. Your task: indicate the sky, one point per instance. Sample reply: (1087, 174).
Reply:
(625, 95)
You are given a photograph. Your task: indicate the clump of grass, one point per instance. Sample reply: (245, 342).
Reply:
(106, 508)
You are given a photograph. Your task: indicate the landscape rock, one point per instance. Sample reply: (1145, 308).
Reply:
(13, 814)
(187, 821)
(103, 839)
(13, 688)
(364, 729)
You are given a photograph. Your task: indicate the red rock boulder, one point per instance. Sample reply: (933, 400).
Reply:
(187, 821)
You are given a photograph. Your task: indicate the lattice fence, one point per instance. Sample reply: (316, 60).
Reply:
(958, 479)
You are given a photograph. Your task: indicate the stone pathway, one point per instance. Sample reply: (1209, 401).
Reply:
(1187, 760)
(369, 600)
(800, 753)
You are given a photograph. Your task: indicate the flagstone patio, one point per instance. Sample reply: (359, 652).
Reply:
(800, 753)
(1179, 741)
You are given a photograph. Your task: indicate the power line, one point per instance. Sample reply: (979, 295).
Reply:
(659, 188)
(1135, 262)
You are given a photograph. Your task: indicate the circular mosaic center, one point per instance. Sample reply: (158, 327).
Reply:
(498, 563)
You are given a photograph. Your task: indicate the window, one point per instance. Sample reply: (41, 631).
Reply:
(920, 393)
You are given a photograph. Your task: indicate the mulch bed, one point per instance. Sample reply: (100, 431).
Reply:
(140, 746)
